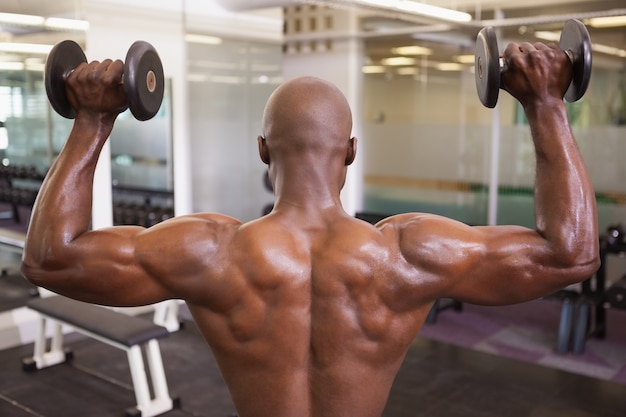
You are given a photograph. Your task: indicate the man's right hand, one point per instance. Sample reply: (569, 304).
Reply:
(536, 73)
(96, 89)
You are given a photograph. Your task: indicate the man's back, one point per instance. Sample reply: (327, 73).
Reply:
(309, 321)
(309, 312)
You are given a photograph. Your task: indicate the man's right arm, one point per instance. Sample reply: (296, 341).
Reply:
(510, 264)
(565, 206)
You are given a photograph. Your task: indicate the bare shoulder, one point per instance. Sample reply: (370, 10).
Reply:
(424, 238)
(184, 253)
(420, 225)
(187, 237)
(197, 224)
(208, 218)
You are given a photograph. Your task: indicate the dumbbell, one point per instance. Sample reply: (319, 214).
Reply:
(143, 78)
(488, 64)
(615, 235)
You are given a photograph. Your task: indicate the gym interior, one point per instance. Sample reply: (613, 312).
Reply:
(426, 144)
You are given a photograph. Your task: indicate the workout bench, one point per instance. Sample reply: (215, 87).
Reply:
(116, 329)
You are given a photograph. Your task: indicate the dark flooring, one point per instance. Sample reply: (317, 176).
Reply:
(436, 380)
(14, 289)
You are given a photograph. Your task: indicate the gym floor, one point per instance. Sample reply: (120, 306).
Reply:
(436, 380)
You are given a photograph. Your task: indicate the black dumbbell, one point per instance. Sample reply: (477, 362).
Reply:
(615, 235)
(143, 78)
(488, 64)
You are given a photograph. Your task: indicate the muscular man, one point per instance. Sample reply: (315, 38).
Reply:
(309, 311)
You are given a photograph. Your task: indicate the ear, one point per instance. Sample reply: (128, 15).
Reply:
(263, 151)
(351, 154)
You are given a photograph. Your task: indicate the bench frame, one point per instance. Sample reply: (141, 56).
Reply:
(147, 406)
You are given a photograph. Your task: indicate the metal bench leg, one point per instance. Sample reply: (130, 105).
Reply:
(138, 375)
(157, 372)
(40, 340)
(166, 315)
(582, 327)
(43, 358)
(565, 326)
(432, 314)
(162, 402)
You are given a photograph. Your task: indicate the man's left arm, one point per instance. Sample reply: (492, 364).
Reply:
(61, 252)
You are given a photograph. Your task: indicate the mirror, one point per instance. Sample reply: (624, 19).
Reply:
(29, 132)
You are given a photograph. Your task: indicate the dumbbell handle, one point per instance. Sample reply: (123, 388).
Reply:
(503, 64)
(150, 79)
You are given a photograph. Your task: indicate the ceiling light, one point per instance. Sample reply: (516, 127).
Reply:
(609, 50)
(69, 24)
(411, 50)
(11, 66)
(398, 61)
(548, 36)
(605, 49)
(449, 66)
(434, 11)
(465, 59)
(197, 78)
(373, 69)
(22, 19)
(27, 48)
(202, 39)
(51, 22)
(607, 22)
(407, 71)
(33, 66)
(422, 9)
(226, 79)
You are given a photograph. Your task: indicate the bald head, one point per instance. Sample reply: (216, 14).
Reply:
(307, 113)
(306, 140)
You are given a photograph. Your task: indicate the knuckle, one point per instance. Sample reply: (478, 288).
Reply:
(516, 60)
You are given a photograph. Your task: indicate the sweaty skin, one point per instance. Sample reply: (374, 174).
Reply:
(309, 311)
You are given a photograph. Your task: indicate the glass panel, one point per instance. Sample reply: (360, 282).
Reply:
(27, 133)
(229, 84)
(31, 134)
(427, 144)
(142, 167)
(598, 124)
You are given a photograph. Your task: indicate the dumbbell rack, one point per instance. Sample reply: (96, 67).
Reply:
(138, 206)
(591, 317)
(18, 187)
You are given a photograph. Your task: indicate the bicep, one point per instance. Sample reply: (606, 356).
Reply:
(130, 265)
(490, 265)
(100, 267)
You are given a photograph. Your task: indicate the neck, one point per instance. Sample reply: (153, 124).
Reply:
(311, 187)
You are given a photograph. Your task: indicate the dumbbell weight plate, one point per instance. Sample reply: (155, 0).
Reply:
(487, 67)
(144, 82)
(575, 38)
(62, 60)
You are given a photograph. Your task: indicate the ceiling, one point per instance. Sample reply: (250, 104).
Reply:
(383, 29)
(14, 33)
(57, 8)
(517, 21)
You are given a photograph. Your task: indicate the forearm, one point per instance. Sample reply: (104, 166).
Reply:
(565, 206)
(62, 211)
